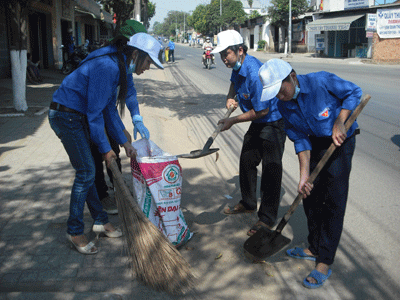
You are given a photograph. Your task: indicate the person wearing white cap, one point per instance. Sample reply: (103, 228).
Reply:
(265, 139)
(81, 108)
(315, 107)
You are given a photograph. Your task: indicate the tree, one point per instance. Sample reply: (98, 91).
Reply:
(250, 2)
(278, 11)
(207, 18)
(148, 11)
(18, 13)
(122, 8)
(254, 14)
(198, 19)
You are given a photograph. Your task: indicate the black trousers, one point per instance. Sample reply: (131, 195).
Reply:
(100, 182)
(263, 142)
(325, 207)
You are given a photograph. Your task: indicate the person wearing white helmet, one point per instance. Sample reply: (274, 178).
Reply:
(82, 107)
(314, 107)
(264, 140)
(207, 44)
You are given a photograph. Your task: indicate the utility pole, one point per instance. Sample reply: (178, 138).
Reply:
(290, 30)
(220, 13)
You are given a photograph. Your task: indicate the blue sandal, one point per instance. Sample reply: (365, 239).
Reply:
(319, 277)
(299, 253)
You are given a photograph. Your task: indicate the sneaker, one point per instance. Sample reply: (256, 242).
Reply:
(109, 205)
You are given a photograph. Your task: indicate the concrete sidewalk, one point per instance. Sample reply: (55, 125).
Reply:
(36, 261)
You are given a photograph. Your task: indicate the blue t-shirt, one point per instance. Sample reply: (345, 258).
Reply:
(248, 88)
(92, 90)
(171, 45)
(322, 96)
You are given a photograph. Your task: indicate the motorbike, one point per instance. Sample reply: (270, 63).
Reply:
(207, 61)
(79, 54)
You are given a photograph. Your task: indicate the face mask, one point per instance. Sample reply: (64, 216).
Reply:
(132, 68)
(238, 64)
(296, 90)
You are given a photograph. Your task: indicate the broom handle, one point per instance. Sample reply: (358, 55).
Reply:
(321, 163)
(119, 181)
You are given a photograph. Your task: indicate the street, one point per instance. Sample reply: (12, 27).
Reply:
(181, 106)
(364, 266)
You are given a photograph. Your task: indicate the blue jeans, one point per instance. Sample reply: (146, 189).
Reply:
(72, 129)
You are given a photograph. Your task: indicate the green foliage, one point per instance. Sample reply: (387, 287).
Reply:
(124, 10)
(261, 45)
(254, 14)
(206, 18)
(278, 11)
(151, 10)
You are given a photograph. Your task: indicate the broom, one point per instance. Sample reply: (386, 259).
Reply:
(154, 259)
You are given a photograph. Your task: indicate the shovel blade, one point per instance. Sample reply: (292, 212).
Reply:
(265, 243)
(198, 153)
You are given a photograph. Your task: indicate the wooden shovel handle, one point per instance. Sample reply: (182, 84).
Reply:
(227, 114)
(322, 162)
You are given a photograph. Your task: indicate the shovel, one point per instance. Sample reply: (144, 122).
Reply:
(265, 242)
(206, 149)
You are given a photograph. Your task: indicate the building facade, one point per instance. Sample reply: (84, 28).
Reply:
(47, 27)
(335, 28)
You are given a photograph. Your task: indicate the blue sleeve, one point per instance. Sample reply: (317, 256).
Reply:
(347, 91)
(131, 97)
(300, 139)
(101, 84)
(255, 87)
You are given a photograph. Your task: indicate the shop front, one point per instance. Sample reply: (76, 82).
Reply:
(345, 36)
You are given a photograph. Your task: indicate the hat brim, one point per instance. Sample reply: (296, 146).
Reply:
(218, 49)
(156, 62)
(270, 92)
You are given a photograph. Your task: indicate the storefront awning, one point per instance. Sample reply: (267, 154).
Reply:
(333, 24)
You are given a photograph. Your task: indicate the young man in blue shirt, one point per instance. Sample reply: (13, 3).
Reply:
(315, 107)
(263, 142)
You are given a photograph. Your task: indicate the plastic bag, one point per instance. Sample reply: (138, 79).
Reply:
(157, 180)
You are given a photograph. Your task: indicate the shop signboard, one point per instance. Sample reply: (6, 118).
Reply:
(319, 42)
(388, 23)
(370, 24)
(352, 4)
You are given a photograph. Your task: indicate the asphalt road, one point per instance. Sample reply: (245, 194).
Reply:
(366, 263)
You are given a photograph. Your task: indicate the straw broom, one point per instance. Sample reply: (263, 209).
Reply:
(154, 259)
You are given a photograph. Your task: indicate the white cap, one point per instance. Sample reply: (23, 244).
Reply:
(227, 38)
(271, 75)
(148, 44)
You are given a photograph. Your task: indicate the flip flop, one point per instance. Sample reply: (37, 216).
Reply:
(300, 254)
(237, 209)
(256, 227)
(319, 277)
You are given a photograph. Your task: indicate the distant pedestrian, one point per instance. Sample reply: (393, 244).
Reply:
(171, 46)
(315, 107)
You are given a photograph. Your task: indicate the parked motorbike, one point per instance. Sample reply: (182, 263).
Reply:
(208, 59)
(79, 54)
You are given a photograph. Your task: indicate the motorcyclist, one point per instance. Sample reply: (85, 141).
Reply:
(206, 45)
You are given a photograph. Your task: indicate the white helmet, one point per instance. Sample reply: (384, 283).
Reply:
(208, 39)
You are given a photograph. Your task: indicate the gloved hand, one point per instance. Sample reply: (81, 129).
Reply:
(139, 127)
